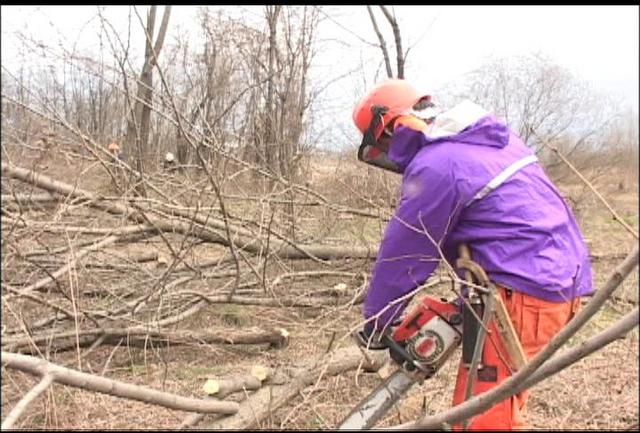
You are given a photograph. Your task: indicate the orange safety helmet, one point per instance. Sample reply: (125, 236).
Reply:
(397, 95)
(377, 109)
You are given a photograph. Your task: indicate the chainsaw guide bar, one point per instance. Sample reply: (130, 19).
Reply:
(375, 406)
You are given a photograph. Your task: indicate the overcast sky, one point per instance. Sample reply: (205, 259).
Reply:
(597, 43)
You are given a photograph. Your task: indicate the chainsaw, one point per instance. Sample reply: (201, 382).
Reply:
(427, 337)
(420, 345)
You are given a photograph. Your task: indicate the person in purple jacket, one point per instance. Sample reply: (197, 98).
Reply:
(467, 178)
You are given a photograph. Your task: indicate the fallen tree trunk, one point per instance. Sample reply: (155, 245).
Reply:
(269, 398)
(65, 376)
(123, 238)
(16, 202)
(70, 264)
(303, 302)
(28, 198)
(141, 337)
(51, 228)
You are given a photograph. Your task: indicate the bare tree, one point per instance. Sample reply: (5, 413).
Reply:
(138, 124)
(382, 42)
(269, 138)
(537, 98)
(400, 56)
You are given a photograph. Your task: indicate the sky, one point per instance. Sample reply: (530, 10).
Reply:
(599, 44)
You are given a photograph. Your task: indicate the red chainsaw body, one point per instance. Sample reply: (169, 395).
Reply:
(430, 332)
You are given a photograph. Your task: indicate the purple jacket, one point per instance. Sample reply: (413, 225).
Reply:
(481, 186)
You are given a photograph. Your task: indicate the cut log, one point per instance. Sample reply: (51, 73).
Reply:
(269, 398)
(260, 372)
(220, 388)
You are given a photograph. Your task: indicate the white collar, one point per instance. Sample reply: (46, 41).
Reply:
(456, 119)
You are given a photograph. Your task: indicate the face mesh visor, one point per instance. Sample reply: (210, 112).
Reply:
(371, 151)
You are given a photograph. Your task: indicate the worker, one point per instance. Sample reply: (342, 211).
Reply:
(169, 161)
(114, 149)
(468, 179)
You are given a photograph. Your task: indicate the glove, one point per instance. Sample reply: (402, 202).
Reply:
(370, 338)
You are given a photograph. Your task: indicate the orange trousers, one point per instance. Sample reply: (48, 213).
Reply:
(536, 322)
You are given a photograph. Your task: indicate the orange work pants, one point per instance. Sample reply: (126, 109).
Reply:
(536, 322)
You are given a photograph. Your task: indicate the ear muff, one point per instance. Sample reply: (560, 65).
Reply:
(412, 122)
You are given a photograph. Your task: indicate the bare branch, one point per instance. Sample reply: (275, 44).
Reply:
(28, 398)
(400, 59)
(90, 382)
(383, 44)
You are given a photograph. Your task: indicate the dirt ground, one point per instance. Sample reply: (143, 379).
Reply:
(598, 393)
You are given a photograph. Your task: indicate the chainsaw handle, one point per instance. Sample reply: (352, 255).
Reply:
(370, 342)
(402, 357)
